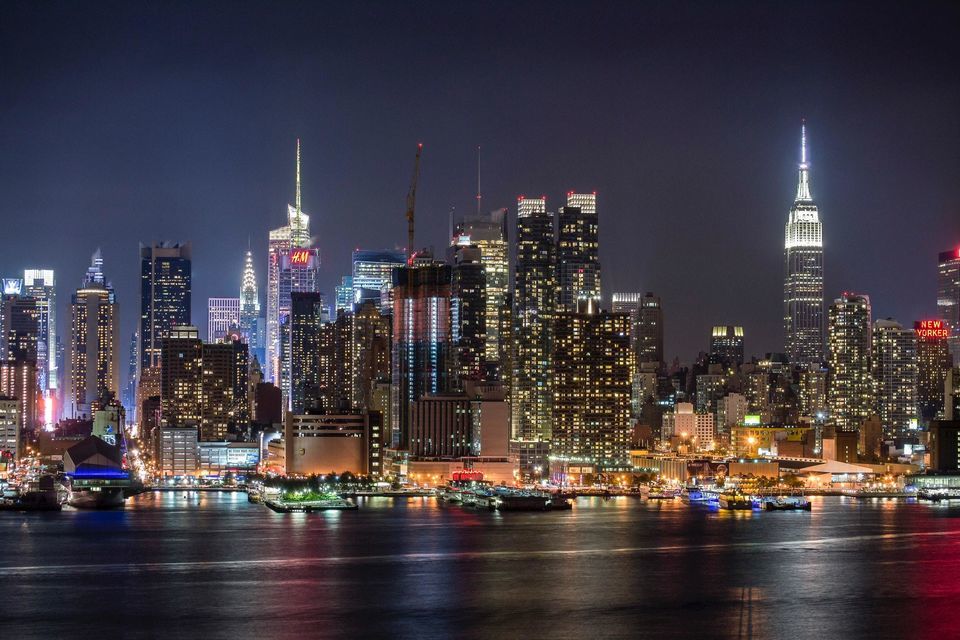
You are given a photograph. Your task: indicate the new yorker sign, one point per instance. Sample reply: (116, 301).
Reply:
(931, 329)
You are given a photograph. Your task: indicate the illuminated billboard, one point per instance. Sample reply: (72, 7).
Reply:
(301, 258)
(931, 330)
(752, 420)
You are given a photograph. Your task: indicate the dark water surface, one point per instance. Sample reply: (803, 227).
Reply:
(215, 566)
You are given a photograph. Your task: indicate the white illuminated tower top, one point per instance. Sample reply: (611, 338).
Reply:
(803, 226)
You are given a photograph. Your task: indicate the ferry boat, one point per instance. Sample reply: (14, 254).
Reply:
(735, 500)
(786, 503)
(520, 500)
(656, 491)
(938, 494)
(699, 495)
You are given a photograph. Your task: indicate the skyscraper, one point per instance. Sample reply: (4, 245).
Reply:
(130, 387)
(345, 294)
(299, 273)
(894, 364)
(933, 364)
(306, 325)
(251, 320)
(468, 313)
(165, 287)
(948, 298)
(94, 348)
(203, 385)
(534, 303)
(593, 367)
(650, 330)
(422, 336)
(726, 346)
(39, 284)
(21, 328)
(293, 235)
(629, 303)
(370, 352)
(803, 275)
(181, 377)
(850, 383)
(224, 388)
(372, 277)
(223, 315)
(578, 259)
(489, 234)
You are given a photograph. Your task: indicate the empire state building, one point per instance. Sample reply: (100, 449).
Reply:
(803, 273)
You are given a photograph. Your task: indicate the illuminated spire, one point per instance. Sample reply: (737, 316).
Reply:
(298, 177)
(299, 221)
(803, 185)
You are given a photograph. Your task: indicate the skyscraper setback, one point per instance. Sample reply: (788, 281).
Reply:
(803, 275)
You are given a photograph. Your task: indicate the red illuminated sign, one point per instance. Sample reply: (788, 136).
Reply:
(931, 329)
(300, 257)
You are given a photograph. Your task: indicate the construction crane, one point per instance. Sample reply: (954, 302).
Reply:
(411, 203)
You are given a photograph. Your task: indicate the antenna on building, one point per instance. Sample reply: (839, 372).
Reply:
(479, 197)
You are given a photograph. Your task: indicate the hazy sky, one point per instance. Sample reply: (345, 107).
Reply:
(134, 122)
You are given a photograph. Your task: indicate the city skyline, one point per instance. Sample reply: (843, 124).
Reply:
(476, 320)
(226, 187)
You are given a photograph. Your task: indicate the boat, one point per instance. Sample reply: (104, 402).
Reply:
(95, 497)
(692, 494)
(38, 496)
(529, 500)
(449, 494)
(938, 494)
(736, 500)
(786, 503)
(321, 502)
(657, 491)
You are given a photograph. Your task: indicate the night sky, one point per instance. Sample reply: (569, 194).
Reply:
(130, 122)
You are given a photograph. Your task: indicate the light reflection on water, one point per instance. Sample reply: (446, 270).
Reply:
(410, 568)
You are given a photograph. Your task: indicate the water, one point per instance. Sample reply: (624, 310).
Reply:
(215, 566)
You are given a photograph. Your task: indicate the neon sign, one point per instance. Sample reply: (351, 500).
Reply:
(931, 329)
(300, 257)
